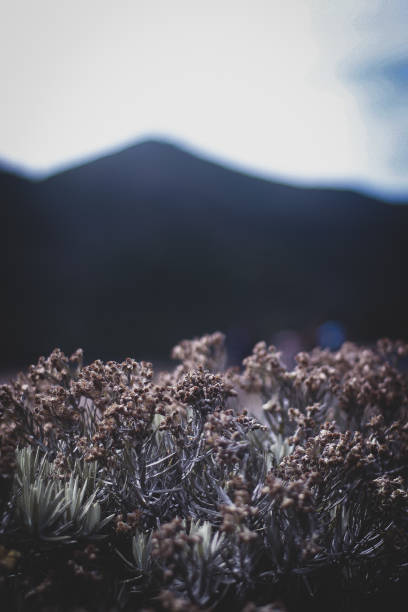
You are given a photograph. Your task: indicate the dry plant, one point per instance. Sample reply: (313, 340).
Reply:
(121, 490)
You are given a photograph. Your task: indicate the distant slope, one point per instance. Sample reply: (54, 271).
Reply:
(128, 253)
(25, 249)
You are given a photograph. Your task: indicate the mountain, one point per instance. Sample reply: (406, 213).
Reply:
(129, 253)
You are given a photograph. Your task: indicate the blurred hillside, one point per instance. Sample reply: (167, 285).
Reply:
(128, 254)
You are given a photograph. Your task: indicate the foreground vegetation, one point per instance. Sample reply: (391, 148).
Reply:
(124, 490)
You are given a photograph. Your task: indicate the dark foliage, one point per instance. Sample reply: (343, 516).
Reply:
(204, 489)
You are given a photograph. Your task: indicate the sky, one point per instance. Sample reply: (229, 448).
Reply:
(306, 91)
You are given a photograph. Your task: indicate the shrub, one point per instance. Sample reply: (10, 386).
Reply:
(125, 490)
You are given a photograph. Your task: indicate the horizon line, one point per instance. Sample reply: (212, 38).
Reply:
(360, 186)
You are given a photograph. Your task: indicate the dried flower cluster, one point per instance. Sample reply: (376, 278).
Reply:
(122, 489)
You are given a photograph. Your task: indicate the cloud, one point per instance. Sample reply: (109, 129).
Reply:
(384, 85)
(285, 89)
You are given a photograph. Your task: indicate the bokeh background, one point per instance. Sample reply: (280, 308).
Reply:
(173, 168)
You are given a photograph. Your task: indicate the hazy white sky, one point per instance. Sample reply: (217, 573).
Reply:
(305, 90)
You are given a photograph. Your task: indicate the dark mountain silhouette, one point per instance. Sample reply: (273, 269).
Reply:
(127, 254)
